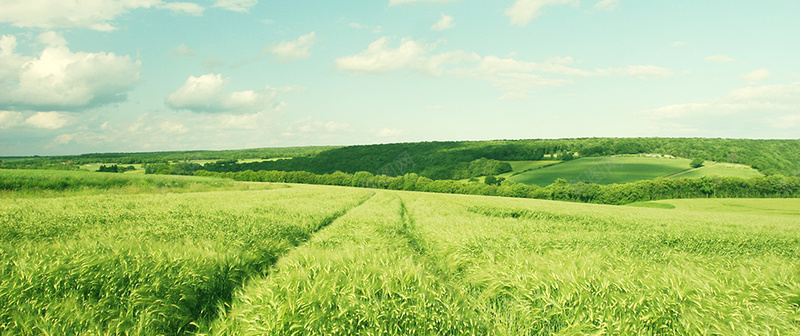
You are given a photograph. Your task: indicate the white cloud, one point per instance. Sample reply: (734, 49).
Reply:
(9, 119)
(183, 8)
(52, 39)
(182, 51)
(753, 100)
(207, 94)
(389, 133)
(173, 127)
(607, 5)
(638, 71)
(756, 76)
(509, 75)
(64, 139)
(398, 2)
(445, 23)
(678, 44)
(380, 58)
(720, 59)
(294, 50)
(58, 79)
(47, 120)
(785, 122)
(92, 14)
(241, 6)
(523, 11)
(311, 126)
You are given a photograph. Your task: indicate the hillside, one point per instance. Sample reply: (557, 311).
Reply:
(626, 169)
(451, 160)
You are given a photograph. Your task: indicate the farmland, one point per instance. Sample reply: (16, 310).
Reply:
(301, 259)
(625, 169)
(614, 170)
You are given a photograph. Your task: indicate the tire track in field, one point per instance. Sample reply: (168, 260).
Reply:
(226, 305)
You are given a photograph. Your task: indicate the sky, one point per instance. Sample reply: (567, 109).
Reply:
(87, 76)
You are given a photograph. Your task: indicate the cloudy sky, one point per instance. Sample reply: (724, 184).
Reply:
(143, 75)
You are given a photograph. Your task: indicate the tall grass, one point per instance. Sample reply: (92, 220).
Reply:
(425, 264)
(25, 183)
(145, 264)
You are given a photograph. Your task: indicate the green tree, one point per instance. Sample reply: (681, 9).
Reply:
(696, 163)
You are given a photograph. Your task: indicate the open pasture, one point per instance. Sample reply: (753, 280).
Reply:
(605, 170)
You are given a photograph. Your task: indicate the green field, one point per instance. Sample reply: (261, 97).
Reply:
(323, 260)
(737, 205)
(605, 170)
(721, 169)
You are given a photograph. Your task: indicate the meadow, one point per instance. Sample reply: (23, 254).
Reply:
(626, 169)
(327, 260)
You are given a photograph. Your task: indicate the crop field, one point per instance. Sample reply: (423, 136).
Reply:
(329, 260)
(605, 170)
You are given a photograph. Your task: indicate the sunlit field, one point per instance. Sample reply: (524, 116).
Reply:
(340, 261)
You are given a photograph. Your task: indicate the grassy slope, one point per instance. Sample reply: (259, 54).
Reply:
(722, 169)
(605, 170)
(520, 167)
(417, 263)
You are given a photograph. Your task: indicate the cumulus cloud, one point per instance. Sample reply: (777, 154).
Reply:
(720, 59)
(523, 11)
(506, 74)
(607, 5)
(294, 50)
(47, 120)
(59, 79)
(241, 6)
(445, 23)
(380, 57)
(756, 76)
(92, 14)
(10, 119)
(208, 94)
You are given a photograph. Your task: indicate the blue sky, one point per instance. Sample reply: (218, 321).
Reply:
(144, 75)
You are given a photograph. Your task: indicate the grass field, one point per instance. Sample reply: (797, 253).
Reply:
(605, 170)
(721, 169)
(38, 183)
(736, 205)
(323, 260)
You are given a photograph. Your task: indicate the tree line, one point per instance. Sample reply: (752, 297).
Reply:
(649, 190)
